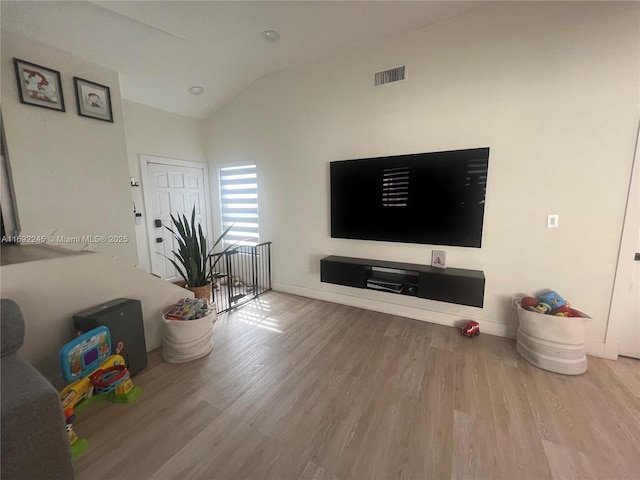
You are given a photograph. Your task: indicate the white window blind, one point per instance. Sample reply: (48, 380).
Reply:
(239, 204)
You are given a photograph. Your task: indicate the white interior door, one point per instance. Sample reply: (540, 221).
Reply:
(172, 187)
(630, 333)
(624, 319)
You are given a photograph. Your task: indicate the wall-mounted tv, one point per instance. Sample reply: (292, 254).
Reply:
(430, 198)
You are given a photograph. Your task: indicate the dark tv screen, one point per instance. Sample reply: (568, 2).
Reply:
(429, 198)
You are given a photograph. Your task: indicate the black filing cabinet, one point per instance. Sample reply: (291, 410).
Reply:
(123, 318)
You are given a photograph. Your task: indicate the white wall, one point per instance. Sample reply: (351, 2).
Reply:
(150, 131)
(50, 291)
(551, 87)
(70, 173)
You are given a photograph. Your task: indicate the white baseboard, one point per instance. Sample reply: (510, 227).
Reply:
(599, 349)
(440, 318)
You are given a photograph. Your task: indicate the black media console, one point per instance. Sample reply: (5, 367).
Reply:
(452, 285)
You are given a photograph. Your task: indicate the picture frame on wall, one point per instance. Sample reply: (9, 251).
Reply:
(439, 259)
(93, 100)
(39, 86)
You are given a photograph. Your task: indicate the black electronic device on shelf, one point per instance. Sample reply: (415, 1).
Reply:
(452, 285)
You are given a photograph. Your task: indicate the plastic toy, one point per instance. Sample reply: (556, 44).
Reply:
(87, 364)
(529, 303)
(563, 311)
(471, 329)
(187, 309)
(552, 299)
(549, 302)
(78, 445)
(542, 308)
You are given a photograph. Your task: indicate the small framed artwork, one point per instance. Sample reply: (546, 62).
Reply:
(439, 259)
(39, 86)
(93, 100)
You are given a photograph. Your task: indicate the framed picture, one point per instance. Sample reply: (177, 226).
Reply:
(39, 86)
(439, 259)
(93, 100)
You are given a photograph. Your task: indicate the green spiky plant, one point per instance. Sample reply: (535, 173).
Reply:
(192, 254)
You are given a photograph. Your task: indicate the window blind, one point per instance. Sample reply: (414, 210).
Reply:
(239, 204)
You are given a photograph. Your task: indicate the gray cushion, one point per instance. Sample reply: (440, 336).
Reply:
(35, 443)
(11, 327)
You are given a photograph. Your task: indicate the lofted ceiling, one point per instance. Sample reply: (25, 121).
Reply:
(161, 48)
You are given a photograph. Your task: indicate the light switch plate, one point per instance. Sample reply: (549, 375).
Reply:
(552, 221)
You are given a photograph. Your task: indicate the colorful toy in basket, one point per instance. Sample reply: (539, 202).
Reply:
(552, 299)
(188, 309)
(529, 303)
(94, 375)
(549, 302)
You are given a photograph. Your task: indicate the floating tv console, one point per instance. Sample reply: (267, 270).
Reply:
(452, 285)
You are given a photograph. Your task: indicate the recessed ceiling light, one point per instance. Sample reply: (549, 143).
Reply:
(271, 36)
(196, 90)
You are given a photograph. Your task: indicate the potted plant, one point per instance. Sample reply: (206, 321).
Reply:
(192, 256)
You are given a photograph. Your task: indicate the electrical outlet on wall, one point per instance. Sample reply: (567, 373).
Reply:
(552, 221)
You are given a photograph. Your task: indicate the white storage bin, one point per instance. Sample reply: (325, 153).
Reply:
(186, 340)
(557, 344)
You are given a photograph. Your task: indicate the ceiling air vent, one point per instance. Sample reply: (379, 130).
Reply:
(389, 76)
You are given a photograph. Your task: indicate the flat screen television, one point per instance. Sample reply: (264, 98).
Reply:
(428, 198)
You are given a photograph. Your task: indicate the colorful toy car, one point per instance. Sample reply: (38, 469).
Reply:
(471, 329)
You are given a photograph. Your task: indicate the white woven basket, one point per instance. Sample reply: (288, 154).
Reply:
(557, 344)
(186, 340)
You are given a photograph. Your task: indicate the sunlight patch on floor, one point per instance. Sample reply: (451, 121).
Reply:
(257, 314)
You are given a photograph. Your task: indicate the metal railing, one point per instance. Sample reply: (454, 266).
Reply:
(240, 275)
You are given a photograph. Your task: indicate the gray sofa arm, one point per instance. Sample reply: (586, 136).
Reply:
(34, 437)
(11, 327)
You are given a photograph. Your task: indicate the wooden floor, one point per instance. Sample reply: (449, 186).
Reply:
(302, 389)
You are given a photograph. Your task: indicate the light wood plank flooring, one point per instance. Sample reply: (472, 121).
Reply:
(303, 389)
